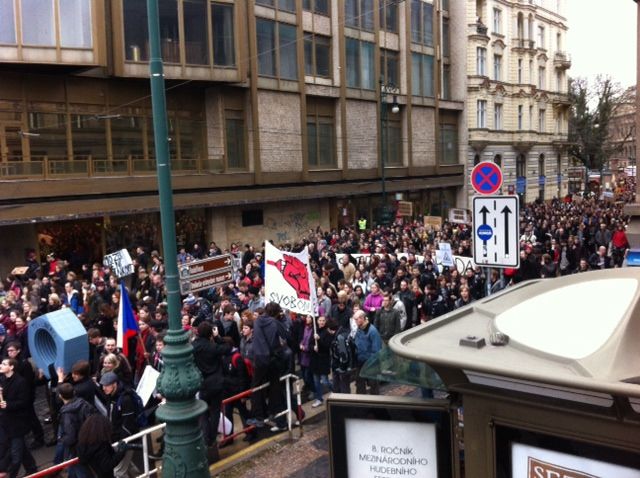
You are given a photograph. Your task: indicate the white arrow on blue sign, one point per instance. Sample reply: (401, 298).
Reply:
(496, 226)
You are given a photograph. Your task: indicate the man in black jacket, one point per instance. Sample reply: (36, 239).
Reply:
(14, 420)
(270, 358)
(121, 411)
(73, 413)
(208, 350)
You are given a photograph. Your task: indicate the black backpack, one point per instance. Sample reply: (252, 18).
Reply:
(342, 353)
(141, 417)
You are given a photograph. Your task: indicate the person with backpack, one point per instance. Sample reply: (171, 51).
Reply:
(238, 372)
(125, 412)
(342, 354)
(73, 414)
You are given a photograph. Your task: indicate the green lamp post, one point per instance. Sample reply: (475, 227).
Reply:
(185, 454)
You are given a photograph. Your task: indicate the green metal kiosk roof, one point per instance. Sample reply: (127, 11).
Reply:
(580, 331)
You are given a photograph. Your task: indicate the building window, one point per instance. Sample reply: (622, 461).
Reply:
(481, 61)
(321, 132)
(531, 80)
(252, 217)
(422, 74)
(38, 23)
(393, 142)
(75, 23)
(521, 166)
(542, 124)
(389, 66)
(531, 118)
(541, 166)
(317, 55)
(446, 82)
(497, 159)
(481, 116)
(276, 49)
(195, 36)
(235, 139)
(520, 114)
(421, 22)
(559, 81)
(316, 6)
(286, 5)
(476, 159)
(389, 15)
(7, 23)
(448, 144)
(359, 14)
(223, 34)
(497, 67)
(360, 70)
(519, 70)
(541, 41)
(446, 51)
(542, 73)
(497, 20)
(497, 117)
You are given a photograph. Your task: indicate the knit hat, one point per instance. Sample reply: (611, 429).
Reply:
(108, 378)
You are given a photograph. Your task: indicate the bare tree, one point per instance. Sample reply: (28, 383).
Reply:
(592, 108)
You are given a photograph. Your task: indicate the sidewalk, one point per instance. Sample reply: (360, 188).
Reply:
(305, 456)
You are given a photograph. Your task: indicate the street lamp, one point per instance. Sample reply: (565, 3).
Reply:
(184, 454)
(385, 90)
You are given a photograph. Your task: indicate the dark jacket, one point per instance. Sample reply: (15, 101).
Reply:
(208, 357)
(85, 389)
(388, 323)
(341, 316)
(72, 416)
(14, 419)
(267, 332)
(321, 360)
(121, 412)
(100, 457)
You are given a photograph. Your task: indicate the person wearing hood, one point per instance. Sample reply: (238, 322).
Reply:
(270, 359)
(73, 413)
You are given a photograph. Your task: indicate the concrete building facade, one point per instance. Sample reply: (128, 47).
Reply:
(517, 102)
(276, 117)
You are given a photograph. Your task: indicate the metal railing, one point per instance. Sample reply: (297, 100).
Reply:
(46, 167)
(142, 435)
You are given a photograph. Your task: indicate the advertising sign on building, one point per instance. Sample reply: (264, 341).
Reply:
(533, 462)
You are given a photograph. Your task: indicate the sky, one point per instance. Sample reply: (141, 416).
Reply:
(602, 39)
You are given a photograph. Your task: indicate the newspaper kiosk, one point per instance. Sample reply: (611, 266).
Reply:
(548, 373)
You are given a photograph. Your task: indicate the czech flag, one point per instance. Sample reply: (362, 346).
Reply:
(127, 325)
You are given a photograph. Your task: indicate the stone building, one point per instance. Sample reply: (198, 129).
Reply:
(275, 118)
(622, 133)
(517, 102)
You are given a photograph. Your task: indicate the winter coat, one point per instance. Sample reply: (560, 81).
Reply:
(72, 416)
(388, 323)
(368, 343)
(14, 420)
(208, 357)
(267, 332)
(321, 360)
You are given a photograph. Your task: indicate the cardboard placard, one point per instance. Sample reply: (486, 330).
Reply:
(433, 221)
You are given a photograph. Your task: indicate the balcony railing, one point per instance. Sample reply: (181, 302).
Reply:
(55, 168)
(524, 43)
(562, 60)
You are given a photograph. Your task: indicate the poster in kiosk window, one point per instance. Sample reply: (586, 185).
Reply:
(288, 280)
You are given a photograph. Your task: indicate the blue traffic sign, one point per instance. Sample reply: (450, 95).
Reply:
(485, 232)
(486, 178)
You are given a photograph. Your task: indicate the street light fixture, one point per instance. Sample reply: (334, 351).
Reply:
(385, 90)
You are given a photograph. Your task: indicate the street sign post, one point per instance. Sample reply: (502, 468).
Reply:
(486, 178)
(496, 226)
(206, 273)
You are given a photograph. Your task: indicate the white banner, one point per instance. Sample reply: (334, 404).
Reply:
(461, 263)
(288, 280)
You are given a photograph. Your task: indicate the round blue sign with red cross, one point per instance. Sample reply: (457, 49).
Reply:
(486, 178)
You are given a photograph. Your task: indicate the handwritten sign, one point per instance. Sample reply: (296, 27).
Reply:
(120, 263)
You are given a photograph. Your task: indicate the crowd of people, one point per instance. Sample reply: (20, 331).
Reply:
(371, 284)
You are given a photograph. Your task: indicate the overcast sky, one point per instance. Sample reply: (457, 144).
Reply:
(602, 39)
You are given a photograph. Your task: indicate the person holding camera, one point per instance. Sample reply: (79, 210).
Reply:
(208, 350)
